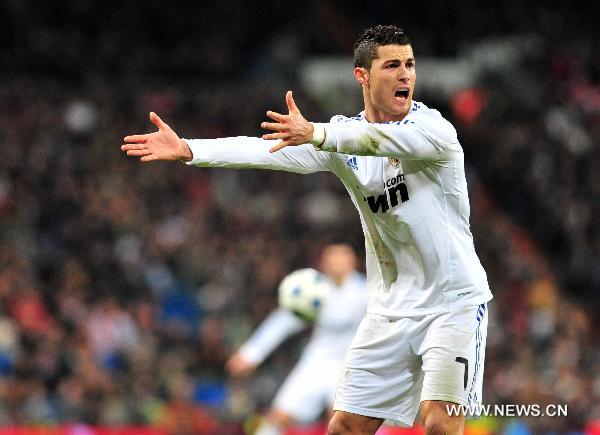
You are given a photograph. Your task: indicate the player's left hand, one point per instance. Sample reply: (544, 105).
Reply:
(291, 129)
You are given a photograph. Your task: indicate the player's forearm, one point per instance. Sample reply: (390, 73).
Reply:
(231, 152)
(252, 152)
(359, 138)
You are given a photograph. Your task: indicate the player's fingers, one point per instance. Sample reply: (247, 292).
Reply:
(276, 116)
(138, 153)
(289, 99)
(132, 146)
(157, 121)
(148, 158)
(279, 146)
(275, 126)
(273, 136)
(136, 138)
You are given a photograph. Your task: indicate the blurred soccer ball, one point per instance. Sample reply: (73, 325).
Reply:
(304, 292)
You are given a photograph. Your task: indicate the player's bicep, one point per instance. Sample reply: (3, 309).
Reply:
(412, 139)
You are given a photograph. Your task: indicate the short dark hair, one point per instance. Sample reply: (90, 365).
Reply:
(365, 47)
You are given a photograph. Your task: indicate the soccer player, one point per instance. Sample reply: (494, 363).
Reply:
(421, 344)
(310, 387)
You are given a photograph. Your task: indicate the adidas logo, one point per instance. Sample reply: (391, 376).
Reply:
(352, 162)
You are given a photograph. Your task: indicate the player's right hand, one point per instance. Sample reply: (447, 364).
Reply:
(239, 366)
(291, 129)
(163, 144)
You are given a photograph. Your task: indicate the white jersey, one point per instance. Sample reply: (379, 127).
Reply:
(407, 181)
(333, 329)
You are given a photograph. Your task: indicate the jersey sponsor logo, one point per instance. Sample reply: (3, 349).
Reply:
(352, 162)
(395, 193)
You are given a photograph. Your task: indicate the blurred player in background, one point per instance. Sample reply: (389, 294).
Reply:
(310, 387)
(421, 345)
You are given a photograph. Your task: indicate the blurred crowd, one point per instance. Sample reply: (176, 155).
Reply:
(124, 287)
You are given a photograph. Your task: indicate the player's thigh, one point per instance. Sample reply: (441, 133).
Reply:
(453, 356)
(382, 375)
(304, 393)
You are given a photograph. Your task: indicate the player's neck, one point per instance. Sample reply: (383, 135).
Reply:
(339, 279)
(372, 114)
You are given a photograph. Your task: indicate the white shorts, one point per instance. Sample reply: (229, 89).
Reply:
(395, 363)
(309, 389)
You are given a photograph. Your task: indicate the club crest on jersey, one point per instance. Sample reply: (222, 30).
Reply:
(395, 193)
(352, 162)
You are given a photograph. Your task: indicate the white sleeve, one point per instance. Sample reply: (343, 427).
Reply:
(278, 326)
(418, 137)
(253, 153)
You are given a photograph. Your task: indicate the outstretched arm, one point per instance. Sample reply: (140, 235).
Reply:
(228, 152)
(163, 144)
(278, 326)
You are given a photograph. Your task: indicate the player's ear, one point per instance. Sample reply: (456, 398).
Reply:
(362, 75)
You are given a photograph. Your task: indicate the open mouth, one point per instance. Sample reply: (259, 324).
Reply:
(402, 94)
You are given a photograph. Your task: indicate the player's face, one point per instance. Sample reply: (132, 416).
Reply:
(389, 83)
(338, 260)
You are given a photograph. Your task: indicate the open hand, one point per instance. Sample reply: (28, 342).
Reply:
(161, 145)
(291, 129)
